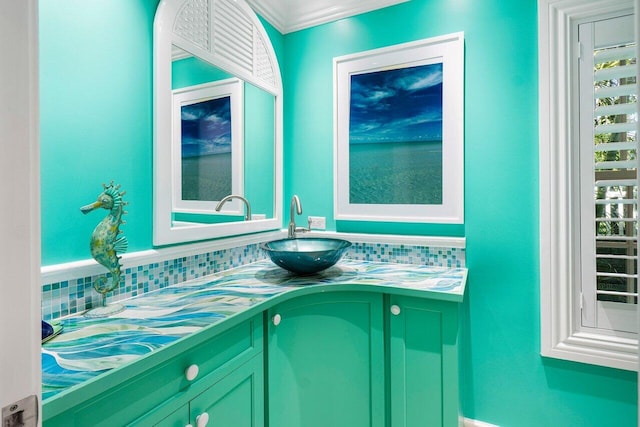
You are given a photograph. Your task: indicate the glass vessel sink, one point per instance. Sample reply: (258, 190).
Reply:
(306, 255)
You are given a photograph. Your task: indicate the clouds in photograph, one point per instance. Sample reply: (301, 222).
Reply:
(206, 127)
(398, 105)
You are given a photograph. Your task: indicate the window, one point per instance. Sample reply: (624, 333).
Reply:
(588, 182)
(608, 216)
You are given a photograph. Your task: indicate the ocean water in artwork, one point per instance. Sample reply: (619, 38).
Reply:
(396, 173)
(395, 136)
(206, 177)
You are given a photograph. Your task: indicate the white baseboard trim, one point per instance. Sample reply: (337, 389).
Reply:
(468, 422)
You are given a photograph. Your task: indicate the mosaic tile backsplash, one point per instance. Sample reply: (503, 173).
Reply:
(68, 297)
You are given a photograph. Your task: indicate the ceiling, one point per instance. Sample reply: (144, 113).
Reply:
(293, 15)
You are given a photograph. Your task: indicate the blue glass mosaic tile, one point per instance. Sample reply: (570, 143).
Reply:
(69, 297)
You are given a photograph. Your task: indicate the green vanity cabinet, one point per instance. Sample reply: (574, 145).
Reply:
(326, 361)
(363, 359)
(353, 355)
(156, 390)
(423, 362)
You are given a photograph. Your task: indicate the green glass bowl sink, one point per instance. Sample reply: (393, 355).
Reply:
(306, 255)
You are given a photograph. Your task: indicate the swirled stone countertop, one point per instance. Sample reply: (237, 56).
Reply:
(90, 347)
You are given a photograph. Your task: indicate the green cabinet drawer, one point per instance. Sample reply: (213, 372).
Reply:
(165, 380)
(177, 418)
(235, 401)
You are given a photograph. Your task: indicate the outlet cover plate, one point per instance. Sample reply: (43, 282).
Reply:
(317, 222)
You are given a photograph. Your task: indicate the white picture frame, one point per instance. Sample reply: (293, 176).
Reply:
(226, 136)
(380, 118)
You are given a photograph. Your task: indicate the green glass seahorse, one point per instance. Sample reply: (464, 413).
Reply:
(106, 241)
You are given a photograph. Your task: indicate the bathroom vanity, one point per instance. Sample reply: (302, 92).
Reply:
(360, 344)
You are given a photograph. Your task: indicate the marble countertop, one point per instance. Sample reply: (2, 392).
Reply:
(89, 347)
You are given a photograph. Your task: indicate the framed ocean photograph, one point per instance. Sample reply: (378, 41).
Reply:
(399, 129)
(208, 146)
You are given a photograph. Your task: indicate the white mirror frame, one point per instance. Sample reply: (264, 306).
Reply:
(236, 42)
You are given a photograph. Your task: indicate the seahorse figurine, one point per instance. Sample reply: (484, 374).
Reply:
(105, 244)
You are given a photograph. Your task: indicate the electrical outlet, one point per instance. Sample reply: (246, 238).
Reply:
(317, 223)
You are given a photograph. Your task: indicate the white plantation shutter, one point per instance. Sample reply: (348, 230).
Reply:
(607, 159)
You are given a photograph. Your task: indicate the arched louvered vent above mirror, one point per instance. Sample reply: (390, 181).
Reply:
(223, 32)
(192, 23)
(203, 49)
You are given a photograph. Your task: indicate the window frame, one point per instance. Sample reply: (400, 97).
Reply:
(595, 312)
(562, 335)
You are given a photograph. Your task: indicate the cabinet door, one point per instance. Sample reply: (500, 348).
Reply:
(326, 361)
(179, 418)
(235, 401)
(423, 349)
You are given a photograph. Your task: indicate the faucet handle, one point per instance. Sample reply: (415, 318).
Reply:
(302, 229)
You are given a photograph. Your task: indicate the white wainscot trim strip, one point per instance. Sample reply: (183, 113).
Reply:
(435, 242)
(89, 267)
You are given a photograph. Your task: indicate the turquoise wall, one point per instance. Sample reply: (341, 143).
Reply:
(96, 125)
(95, 119)
(504, 380)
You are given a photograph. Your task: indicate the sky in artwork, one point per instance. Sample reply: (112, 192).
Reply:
(399, 105)
(206, 127)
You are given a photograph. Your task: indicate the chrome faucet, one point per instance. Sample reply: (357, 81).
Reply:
(295, 203)
(247, 216)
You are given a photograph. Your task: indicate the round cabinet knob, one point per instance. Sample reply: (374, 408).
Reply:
(191, 372)
(276, 319)
(395, 310)
(202, 420)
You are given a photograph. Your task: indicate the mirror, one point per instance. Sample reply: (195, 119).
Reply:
(217, 124)
(222, 150)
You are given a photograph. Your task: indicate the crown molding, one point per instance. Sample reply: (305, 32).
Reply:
(293, 15)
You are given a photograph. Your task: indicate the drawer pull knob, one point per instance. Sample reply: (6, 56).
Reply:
(277, 319)
(202, 420)
(395, 310)
(191, 372)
